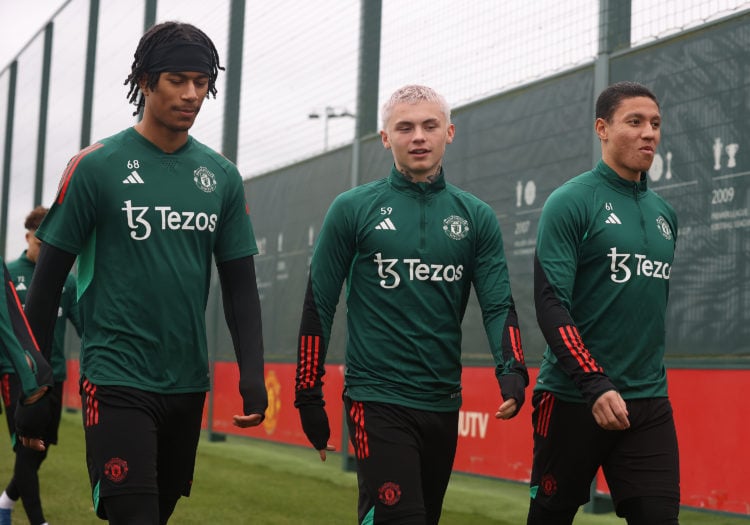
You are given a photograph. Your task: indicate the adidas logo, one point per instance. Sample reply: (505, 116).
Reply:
(613, 219)
(20, 287)
(386, 224)
(133, 178)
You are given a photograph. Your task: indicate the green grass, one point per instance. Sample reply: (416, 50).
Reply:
(243, 481)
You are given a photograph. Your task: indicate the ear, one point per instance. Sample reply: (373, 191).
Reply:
(451, 134)
(143, 85)
(384, 139)
(601, 127)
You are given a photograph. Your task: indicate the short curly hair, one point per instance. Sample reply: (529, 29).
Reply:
(34, 219)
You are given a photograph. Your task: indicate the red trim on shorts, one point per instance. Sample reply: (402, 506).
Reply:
(91, 406)
(357, 414)
(545, 414)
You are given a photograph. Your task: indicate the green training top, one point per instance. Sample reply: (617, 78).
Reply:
(17, 344)
(410, 253)
(604, 256)
(145, 225)
(21, 270)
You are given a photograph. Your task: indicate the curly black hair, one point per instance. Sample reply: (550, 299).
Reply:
(159, 35)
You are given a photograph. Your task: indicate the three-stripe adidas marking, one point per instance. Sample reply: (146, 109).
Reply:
(386, 224)
(613, 219)
(133, 178)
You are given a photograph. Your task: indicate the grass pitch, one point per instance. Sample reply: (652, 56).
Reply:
(245, 481)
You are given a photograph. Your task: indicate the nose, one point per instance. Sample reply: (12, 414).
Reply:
(191, 92)
(649, 131)
(418, 134)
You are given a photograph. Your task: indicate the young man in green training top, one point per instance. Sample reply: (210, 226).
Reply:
(410, 247)
(605, 247)
(25, 481)
(146, 211)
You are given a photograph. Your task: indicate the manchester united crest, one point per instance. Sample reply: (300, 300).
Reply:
(389, 493)
(549, 485)
(664, 228)
(456, 227)
(204, 179)
(116, 470)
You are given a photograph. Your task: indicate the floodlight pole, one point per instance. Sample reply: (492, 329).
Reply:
(329, 113)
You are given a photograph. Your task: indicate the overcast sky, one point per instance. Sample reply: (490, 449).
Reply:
(303, 63)
(19, 21)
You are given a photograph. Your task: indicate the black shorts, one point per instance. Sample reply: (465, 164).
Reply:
(10, 387)
(139, 442)
(569, 447)
(404, 461)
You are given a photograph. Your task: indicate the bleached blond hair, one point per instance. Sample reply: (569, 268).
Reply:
(412, 94)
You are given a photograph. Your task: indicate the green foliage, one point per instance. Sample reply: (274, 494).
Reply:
(248, 481)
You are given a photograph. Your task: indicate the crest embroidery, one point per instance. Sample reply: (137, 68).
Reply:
(456, 227)
(204, 179)
(664, 228)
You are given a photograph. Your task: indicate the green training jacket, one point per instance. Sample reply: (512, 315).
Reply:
(603, 262)
(17, 343)
(21, 271)
(409, 253)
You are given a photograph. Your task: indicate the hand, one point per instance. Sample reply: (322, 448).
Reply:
(507, 410)
(315, 425)
(512, 388)
(322, 452)
(33, 444)
(32, 417)
(610, 411)
(251, 420)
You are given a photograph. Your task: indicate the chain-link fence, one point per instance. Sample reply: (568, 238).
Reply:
(298, 86)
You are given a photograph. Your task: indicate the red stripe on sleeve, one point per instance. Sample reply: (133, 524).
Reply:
(572, 339)
(515, 342)
(309, 352)
(70, 168)
(23, 315)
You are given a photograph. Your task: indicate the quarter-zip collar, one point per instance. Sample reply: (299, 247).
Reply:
(638, 189)
(399, 183)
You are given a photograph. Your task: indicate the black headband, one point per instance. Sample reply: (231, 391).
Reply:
(180, 56)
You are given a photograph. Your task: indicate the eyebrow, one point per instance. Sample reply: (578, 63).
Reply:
(641, 115)
(411, 122)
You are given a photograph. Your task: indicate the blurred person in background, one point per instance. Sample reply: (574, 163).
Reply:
(25, 480)
(17, 345)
